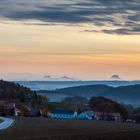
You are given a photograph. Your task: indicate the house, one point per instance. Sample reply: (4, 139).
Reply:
(117, 116)
(8, 108)
(34, 112)
(108, 116)
(31, 111)
(89, 115)
(17, 112)
(63, 114)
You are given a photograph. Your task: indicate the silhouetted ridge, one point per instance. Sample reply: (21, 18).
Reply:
(13, 91)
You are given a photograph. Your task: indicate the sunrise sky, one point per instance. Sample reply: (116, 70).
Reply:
(82, 39)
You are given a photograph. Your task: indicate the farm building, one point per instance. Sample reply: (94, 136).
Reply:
(34, 112)
(89, 115)
(63, 114)
(108, 116)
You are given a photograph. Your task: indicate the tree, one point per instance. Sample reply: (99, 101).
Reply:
(101, 104)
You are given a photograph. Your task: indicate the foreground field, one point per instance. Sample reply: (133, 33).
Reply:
(45, 129)
(1, 120)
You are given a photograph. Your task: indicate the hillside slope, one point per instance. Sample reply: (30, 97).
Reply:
(128, 94)
(12, 91)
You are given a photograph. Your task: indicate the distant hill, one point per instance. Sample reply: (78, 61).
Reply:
(75, 100)
(52, 85)
(13, 91)
(127, 94)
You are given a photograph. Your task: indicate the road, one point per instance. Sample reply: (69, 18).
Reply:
(6, 123)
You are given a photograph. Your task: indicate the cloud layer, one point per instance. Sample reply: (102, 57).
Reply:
(112, 17)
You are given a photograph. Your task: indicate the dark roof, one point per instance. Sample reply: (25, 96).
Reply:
(34, 110)
(62, 111)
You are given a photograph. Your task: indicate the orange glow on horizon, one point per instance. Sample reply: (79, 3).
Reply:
(62, 50)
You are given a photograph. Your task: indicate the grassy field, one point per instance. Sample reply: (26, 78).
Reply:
(1, 120)
(45, 129)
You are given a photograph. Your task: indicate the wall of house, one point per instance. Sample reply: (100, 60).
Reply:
(84, 116)
(62, 116)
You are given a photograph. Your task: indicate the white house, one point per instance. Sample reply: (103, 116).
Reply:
(89, 115)
(63, 114)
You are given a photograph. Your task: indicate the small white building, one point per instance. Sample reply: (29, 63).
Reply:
(17, 112)
(63, 114)
(89, 115)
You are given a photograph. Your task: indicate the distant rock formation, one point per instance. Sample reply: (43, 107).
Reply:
(67, 78)
(47, 76)
(54, 78)
(115, 77)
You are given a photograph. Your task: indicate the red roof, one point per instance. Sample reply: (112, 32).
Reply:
(115, 114)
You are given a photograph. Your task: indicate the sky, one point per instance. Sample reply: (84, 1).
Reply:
(69, 39)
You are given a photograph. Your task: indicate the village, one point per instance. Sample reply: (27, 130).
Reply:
(12, 109)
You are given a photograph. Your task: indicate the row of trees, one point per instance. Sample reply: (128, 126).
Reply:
(101, 104)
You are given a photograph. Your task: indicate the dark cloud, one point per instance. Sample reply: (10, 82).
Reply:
(123, 15)
(123, 31)
(49, 16)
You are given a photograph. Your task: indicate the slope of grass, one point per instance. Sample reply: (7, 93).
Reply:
(1, 120)
(45, 129)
